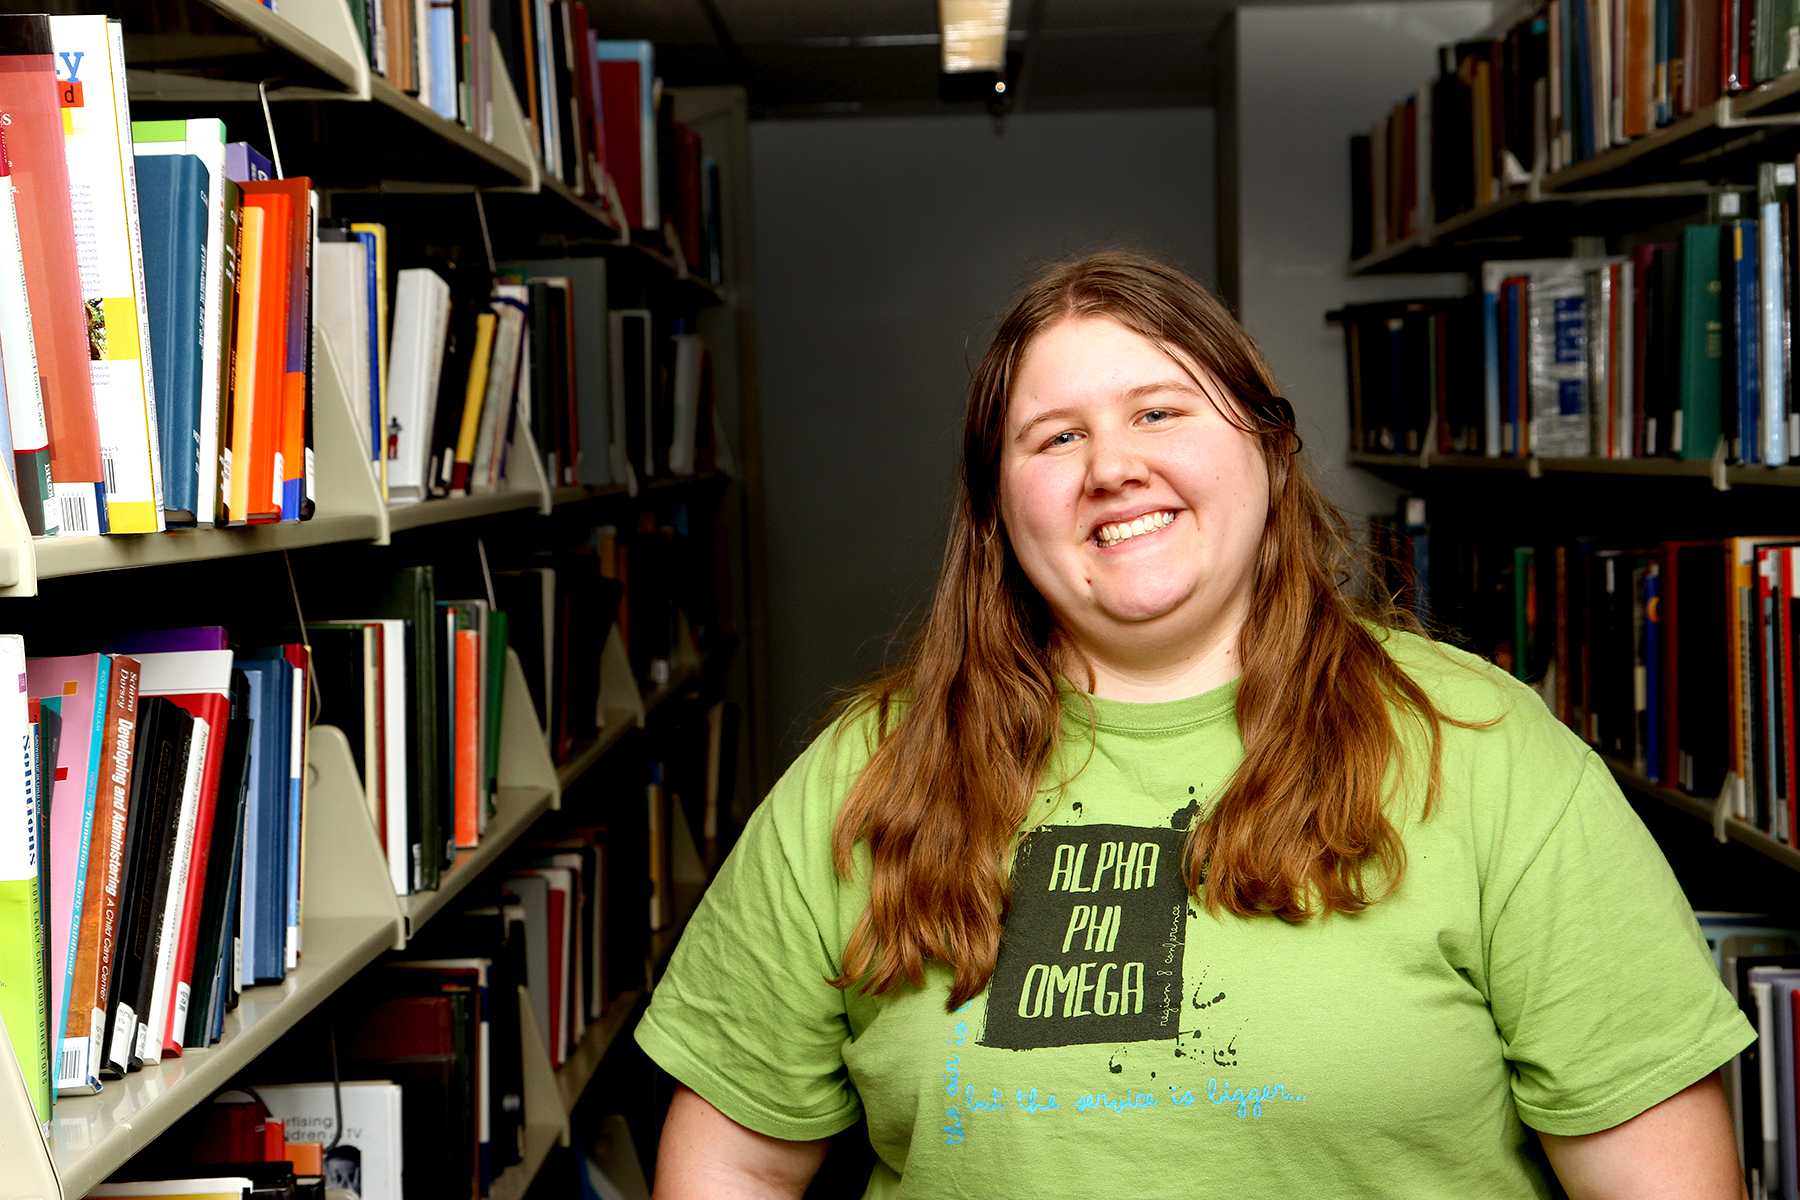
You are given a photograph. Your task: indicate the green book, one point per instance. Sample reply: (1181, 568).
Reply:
(1702, 343)
(24, 986)
(496, 700)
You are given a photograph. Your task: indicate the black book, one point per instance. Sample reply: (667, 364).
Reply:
(339, 668)
(1362, 194)
(49, 743)
(409, 594)
(222, 867)
(562, 85)
(565, 438)
(520, 595)
(1703, 705)
(470, 288)
(163, 733)
(631, 357)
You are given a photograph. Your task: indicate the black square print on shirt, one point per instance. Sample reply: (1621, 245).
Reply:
(1093, 942)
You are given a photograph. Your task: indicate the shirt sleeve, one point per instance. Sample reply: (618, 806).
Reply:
(745, 1015)
(1600, 982)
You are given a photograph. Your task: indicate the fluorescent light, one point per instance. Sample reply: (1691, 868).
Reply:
(974, 34)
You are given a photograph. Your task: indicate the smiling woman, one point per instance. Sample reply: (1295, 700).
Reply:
(1157, 809)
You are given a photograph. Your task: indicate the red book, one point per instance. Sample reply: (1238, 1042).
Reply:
(1786, 578)
(587, 148)
(622, 111)
(559, 939)
(468, 738)
(31, 112)
(199, 682)
(268, 389)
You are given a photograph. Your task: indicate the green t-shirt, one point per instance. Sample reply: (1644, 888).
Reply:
(1538, 967)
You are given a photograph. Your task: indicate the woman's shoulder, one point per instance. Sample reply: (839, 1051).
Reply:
(1491, 716)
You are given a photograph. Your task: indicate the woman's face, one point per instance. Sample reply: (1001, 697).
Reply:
(1136, 509)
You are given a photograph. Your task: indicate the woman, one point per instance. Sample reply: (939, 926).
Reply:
(1165, 867)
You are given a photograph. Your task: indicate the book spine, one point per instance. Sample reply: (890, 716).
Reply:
(169, 998)
(1771, 305)
(71, 1047)
(473, 396)
(468, 738)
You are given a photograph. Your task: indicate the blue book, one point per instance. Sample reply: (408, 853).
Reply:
(265, 868)
(440, 47)
(1509, 368)
(1744, 288)
(1584, 83)
(172, 213)
(1490, 338)
(374, 268)
(244, 163)
(251, 874)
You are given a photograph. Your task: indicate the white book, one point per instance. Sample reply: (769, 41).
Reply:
(205, 139)
(296, 814)
(415, 365)
(163, 1004)
(393, 710)
(546, 89)
(367, 1158)
(509, 304)
(1774, 324)
(690, 364)
(103, 198)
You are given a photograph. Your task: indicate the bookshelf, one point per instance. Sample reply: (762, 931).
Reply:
(359, 136)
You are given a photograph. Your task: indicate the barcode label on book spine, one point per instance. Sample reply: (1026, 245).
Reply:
(124, 1033)
(275, 482)
(178, 1026)
(111, 471)
(309, 472)
(72, 1066)
(74, 515)
(225, 472)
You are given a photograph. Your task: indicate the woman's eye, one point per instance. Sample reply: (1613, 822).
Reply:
(1065, 438)
(1158, 414)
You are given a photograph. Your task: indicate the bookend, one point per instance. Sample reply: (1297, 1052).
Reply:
(524, 756)
(618, 686)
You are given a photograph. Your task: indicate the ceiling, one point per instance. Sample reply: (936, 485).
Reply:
(799, 58)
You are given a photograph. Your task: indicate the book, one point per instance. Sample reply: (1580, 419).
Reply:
(627, 81)
(487, 468)
(79, 683)
(168, 756)
(367, 1154)
(225, 845)
(375, 237)
(238, 429)
(290, 483)
(30, 109)
(202, 138)
(166, 989)
(25, 1001)
(102, 179)
(25, 430)
(589, 372)
(416, 358)
(259, 455)
(199, 682)
(96, 950)
(342, 282)
(474, 395)
(174, 210)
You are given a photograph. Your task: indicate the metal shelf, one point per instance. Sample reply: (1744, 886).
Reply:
(1741, 832)
(420, 513)
(619, 722)
(514, 813)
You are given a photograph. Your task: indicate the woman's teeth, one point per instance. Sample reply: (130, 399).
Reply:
(1112, 535)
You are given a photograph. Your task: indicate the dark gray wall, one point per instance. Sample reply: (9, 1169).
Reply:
(886, 249)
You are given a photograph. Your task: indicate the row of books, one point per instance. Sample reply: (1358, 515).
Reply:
(154, 303)
(598, 114)
(1570, 80)
(1675, 658)
(154, 811)
(611, 395)
(1671, 349)
(1758, 958)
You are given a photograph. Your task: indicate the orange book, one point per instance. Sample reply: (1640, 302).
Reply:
(259, 457)
(1640, 67)
(234, 478)
(291, 486)
(468, 738)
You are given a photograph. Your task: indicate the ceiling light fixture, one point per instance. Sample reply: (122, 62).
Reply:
(974, 34)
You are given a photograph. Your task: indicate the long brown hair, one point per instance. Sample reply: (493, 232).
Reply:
(970, 718)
